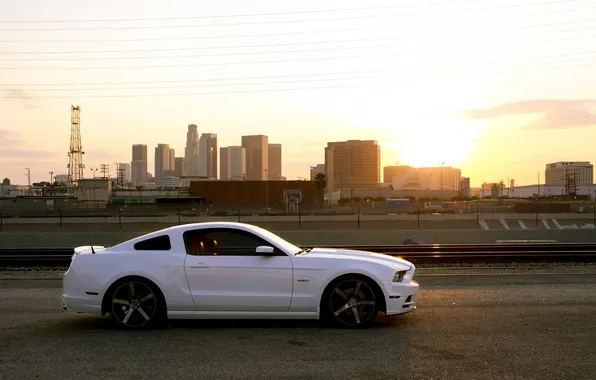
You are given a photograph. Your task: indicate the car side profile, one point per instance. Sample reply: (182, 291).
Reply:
(224, 270)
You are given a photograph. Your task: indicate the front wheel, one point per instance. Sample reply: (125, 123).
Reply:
(351, 303)
(135, 304)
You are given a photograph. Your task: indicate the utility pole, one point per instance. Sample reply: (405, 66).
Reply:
(441, 184)
(105, 171)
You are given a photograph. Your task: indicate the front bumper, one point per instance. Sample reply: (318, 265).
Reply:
(401, 297)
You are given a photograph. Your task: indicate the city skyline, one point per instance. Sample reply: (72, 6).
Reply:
(450, 83)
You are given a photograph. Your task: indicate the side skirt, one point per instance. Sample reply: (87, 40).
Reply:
(240, 315)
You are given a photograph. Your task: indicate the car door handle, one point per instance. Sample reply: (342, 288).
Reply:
(200, 265)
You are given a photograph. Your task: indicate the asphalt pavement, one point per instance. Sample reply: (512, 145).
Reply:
(482, 326)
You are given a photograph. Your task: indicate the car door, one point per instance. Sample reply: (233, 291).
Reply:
(225, 273)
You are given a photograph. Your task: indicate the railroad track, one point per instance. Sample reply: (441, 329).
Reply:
(418, 254)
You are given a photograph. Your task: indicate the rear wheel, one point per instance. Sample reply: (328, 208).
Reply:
(136, 304)
(352, 303)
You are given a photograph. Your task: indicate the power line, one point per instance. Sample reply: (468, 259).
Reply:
(256, 77)
(239, 63)
(400, 72)
(132, 27)
(272, 13)
(270, 34)
(263, 45)
(260, 90)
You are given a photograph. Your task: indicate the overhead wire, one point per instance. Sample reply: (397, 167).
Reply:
(558, 37)
(382, 7)
(267, 22)
(399, 72)
(256, 91)
(244, 35)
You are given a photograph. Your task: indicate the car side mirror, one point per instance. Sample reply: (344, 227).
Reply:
(265, 249)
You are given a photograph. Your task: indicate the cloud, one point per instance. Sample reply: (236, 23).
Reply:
(21, 97)
(555, 113)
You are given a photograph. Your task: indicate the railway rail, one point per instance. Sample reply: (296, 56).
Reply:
(418, 254)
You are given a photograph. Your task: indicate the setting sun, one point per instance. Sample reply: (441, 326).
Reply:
(430, 141)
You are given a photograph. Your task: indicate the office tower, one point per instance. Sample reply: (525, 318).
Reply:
(353, 164)
(257, 157)
(191, 152)
(165, 160)
(179, 167)
(233, 163)
(223, 163)
(138, 165)
(208, 156)
(274, 162)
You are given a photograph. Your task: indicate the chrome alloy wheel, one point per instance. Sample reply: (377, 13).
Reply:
(134, 304)
(353, 303)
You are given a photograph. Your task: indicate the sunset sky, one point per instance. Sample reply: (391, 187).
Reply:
(497, 88)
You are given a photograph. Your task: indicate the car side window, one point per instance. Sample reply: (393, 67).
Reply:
(223, 242)
(159, 243)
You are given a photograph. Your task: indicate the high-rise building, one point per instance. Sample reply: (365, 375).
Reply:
(257, 157)
(191, 152)
(138, 170)
(179, 167)
(165, 160)
(232, 163)
(138, 165)
(314, 170)
(274, 170)
(353, 164)
(569, 173)
(208, 156)
(223, 163)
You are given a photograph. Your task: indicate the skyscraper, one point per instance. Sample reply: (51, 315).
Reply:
(233, 163)
(165, 161)
(223, 163)
(179, 167)
(191, 152)
(274, 162)
(353, 164)
(138, 165)
(208, 155)
(257, 157)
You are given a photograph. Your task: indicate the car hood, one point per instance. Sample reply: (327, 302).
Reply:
(347, 254)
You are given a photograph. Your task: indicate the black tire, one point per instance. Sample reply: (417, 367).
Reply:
(135, 303)
(351, 302)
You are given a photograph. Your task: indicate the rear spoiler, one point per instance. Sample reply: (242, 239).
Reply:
(89, 249)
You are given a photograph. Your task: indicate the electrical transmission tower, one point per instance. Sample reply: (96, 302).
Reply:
(75, 155)
(105, 171)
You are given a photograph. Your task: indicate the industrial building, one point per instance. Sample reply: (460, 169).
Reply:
(569, 174)
(259, 194)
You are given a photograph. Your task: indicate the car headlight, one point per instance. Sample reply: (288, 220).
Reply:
(399, 275)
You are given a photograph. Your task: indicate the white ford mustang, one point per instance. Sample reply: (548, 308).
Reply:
(234, 270)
